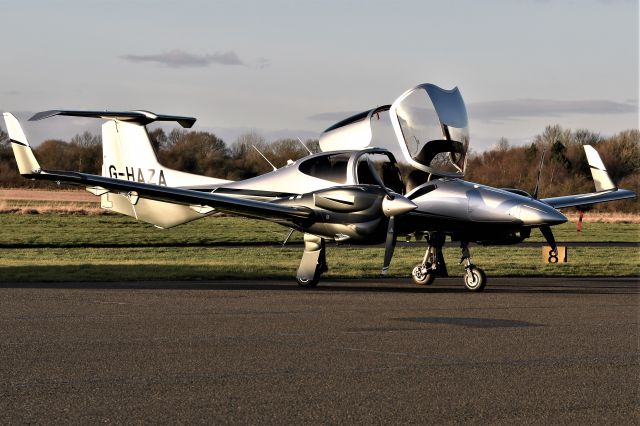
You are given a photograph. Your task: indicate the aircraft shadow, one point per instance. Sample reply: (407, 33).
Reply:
(170, 277)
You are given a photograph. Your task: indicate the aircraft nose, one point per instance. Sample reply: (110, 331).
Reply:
(536, 213)
(397, 205)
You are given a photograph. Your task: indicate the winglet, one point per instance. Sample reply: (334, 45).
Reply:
(27, 163)
(598, 170)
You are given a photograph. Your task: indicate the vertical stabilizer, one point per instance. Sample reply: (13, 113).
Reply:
(27, 163)
(127, 145)
(598, 170)
(127, 154)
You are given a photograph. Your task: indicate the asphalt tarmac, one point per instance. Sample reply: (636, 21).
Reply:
(527, 350)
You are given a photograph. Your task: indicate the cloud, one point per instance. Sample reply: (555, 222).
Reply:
(520, 108)
(262, 63)
(179, 58)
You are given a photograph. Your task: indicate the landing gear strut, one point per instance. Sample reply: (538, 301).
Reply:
(313, 263)
(474, 278)
(433, 262)
(433, 265)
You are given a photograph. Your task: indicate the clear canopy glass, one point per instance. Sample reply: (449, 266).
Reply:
(432, 128)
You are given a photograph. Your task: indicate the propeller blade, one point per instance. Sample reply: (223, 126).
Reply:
(389, 245)
(392, 205)
(537, 189)
(548, 235)
(375, 175)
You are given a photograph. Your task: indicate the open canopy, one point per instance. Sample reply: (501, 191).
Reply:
(429, 123)
(432, 128)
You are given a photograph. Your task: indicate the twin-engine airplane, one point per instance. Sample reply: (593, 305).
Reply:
(351, 192)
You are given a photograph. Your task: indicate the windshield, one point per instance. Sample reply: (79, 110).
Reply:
(432, 128)
(331, 167)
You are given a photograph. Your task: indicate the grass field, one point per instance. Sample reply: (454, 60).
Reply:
(52, 247)
(53, 230)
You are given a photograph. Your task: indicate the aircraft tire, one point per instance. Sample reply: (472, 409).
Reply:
(475, 279)
(421, 278)
(307, 283)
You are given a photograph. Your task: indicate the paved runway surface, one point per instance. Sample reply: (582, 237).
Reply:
(540, 350)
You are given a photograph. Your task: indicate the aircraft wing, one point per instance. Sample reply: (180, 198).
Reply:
(133, 190)
(587, 199)
(606, 190)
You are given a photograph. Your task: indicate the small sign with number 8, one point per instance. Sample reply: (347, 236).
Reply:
(548, 256)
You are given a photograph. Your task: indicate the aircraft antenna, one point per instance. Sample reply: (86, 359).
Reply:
(305, 147)
(536, 190)
(265, 158)
(286, 240)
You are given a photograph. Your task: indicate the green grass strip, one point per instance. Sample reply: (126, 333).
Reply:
(255, 263)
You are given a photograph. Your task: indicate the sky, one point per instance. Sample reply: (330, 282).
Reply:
(285, 68)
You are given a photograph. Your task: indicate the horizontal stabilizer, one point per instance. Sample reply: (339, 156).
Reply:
(96, 190)
(139, 117)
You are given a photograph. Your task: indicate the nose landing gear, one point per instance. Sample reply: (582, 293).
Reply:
(474, 278)
(433, 265)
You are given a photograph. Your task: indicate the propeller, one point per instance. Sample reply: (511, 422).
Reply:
(389, 245)
(536, 190)
(548, 235)
(546, 229)
(392, 205)
(378, 180)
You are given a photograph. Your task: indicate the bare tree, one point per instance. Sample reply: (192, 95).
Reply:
(503, 144)
(86, 139)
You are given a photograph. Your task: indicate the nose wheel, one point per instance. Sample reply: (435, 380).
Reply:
(474, 278)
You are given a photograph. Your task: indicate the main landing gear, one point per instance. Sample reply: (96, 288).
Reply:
(433, 265)
(313, 263)
(433, 262)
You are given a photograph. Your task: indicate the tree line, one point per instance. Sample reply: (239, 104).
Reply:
(565, 169)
